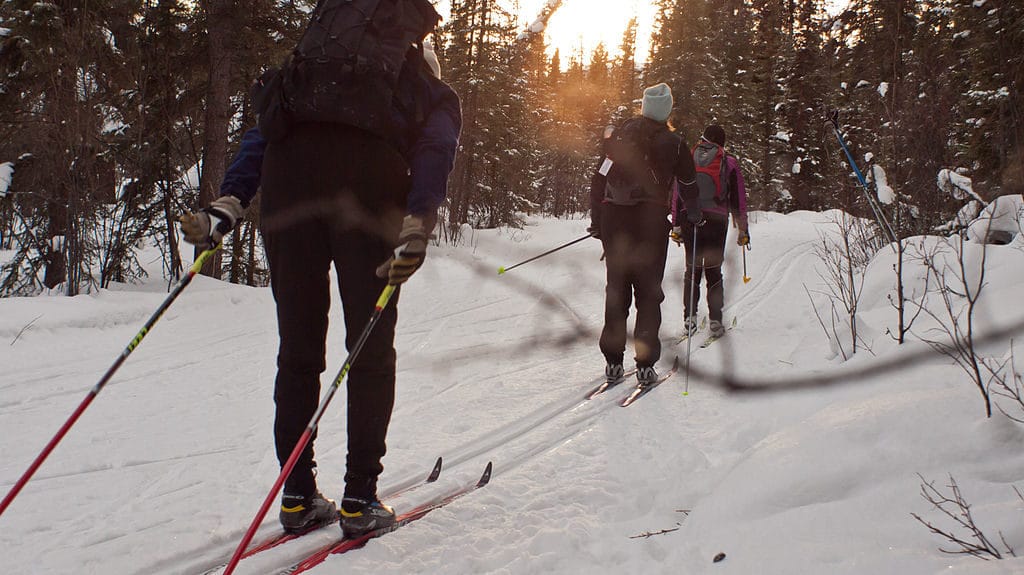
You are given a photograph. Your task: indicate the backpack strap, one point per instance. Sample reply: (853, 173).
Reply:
(414, 107)
(723, 176)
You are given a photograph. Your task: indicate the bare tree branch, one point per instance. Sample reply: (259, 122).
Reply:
(956, 508)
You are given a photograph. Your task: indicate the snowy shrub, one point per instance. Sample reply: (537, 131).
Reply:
(999, 222)
(845, 256)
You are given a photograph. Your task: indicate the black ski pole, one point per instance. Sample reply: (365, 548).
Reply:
(198, 265)
(694, 280)
(503, 269)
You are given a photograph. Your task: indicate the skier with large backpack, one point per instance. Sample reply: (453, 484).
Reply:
(357, 137)
(721, 194)
(630, 198)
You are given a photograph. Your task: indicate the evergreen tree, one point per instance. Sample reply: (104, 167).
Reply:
(478, 35)
(990, 43)
(625, 77)
(804, 107)
(61, 63)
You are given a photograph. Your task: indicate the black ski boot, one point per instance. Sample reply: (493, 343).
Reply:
(360, 516)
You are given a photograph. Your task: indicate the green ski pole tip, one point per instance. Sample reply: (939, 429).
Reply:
(686, 393)
(501, 270)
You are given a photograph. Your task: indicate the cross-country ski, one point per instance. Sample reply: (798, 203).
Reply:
(644, 388)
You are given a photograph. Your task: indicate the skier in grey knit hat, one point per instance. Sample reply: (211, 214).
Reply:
(630, 194)
(657, 103)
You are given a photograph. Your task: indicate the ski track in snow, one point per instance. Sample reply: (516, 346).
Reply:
(176, 454)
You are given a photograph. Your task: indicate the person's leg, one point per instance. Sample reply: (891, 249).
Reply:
(713, 238)
(367, 203)
(367, 194)
(652, 229)
(618, 292)
(716, 293)
(299, 259)
(692, 275)
(371, 379)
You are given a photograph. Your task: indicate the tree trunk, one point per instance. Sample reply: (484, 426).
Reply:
(220, 28)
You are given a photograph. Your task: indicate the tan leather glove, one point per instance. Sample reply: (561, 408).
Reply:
(207, 227)
(412, 248)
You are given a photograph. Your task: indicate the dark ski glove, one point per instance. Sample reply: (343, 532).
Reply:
(412, 248)
(695, 216)
(206, 228)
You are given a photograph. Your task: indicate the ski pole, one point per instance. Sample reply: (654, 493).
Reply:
(198, 265)
(694, 280)
(746, 279)
(286, 470)
(502, 270)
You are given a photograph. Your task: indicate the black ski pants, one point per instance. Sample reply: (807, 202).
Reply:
(635, 240)
(332, 194)
(710, 256)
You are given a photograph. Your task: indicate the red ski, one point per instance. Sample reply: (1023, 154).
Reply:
(344, 545)
(281, 538)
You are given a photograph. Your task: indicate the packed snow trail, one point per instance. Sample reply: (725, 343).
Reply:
(166, 467)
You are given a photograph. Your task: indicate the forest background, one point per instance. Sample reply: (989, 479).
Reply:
(116, 116)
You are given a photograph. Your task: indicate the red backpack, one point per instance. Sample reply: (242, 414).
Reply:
(712, 180)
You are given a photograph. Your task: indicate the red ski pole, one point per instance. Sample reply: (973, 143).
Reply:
(198, 265)
(286, 470)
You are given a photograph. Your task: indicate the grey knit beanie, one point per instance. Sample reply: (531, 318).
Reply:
(657, 102)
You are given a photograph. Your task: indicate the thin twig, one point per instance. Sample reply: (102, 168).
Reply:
(646, 534)
(28, 325)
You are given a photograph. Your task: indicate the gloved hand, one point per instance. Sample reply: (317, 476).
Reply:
(743, 239)
(695, 217)
(677, 235)
(594, 231)
(206, 228)
(412, 248)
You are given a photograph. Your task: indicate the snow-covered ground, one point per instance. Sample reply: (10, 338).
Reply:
(167, 467)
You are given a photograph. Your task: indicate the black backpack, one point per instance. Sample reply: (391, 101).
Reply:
(345, 68)
(632, 177)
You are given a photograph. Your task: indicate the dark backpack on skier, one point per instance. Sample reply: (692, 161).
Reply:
(712, 178)
(345, 67)
(632, 178)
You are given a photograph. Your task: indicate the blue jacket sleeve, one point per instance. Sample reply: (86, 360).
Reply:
(432, 156)
(242, 179)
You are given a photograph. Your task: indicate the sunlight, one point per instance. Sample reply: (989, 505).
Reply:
(583, 24)
(580, 25)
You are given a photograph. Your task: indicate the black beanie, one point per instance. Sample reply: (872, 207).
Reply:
(715, 133)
